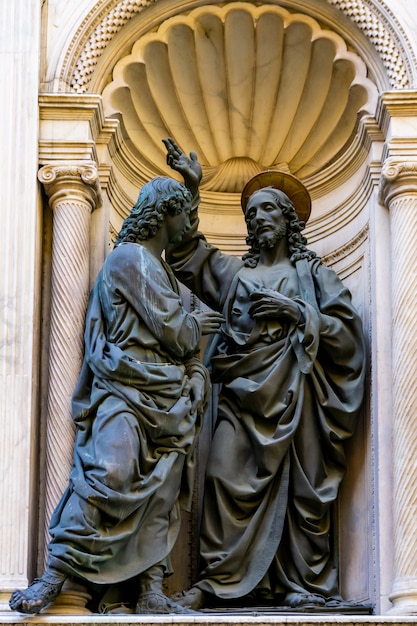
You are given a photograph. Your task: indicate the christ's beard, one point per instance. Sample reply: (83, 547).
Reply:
(269, 239)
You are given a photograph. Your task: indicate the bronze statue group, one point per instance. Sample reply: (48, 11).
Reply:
(287, 350)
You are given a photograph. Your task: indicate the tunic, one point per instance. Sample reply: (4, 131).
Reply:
(135, 427)
(290, 397)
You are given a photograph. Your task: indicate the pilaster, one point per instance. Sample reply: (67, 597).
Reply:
(398, 191)
(397, 117)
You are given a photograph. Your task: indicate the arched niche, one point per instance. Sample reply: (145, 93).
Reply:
(251, 87)
(301, 94)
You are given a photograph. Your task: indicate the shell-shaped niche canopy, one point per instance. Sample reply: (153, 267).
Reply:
(246, 87)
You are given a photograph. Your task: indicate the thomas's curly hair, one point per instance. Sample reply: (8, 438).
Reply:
(161, 196)
(296, 241)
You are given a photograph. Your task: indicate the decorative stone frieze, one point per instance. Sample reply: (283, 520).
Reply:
(370, 19)
(398, 191)
(73, 191)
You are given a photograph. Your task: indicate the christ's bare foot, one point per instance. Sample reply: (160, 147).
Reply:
(194, 598)
(153, 603)
(298, 599)
(38, 595)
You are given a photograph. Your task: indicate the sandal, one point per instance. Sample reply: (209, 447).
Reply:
(38, 595)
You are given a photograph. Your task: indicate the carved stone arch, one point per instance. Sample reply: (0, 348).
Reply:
(75, 70)
(110, 32)
(380, 25)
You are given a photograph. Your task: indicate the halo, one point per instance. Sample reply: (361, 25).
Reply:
(285, 182)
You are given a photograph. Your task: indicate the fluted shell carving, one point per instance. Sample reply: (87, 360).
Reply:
(247, 88)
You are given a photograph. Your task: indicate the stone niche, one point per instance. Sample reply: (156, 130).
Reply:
(248, 87)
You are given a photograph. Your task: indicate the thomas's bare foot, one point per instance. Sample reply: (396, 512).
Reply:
(194, 599)
(153, 603)
(38, 595)
(298, 599)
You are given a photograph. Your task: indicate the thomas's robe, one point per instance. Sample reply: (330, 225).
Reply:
(135, 428)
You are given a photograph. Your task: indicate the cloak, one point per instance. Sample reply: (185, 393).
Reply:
(135, 430)
(290, 397)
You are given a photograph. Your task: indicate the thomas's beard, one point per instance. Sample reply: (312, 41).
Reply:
(269, 238)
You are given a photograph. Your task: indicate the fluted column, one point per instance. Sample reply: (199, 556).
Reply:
(398, 191)
(73, 192)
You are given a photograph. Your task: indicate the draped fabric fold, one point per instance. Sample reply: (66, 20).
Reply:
(135, 427)
(290, 396)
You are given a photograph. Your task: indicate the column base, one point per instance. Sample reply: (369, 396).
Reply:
(71, 601)
(404, 597)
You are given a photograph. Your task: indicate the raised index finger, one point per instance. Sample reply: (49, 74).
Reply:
(172, 147)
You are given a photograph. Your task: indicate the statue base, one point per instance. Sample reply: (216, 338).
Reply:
(342, 608)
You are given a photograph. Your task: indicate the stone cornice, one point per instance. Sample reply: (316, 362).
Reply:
(71, 182)
(62, 106)
(85, 146)
(398, 178)
(400, 103)
(394, 104)
(85, 107)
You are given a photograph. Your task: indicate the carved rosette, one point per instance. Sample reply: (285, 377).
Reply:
(73, 192)
(398, 190)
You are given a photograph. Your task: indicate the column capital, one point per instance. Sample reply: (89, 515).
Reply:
(398, 178)
(71, 181)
